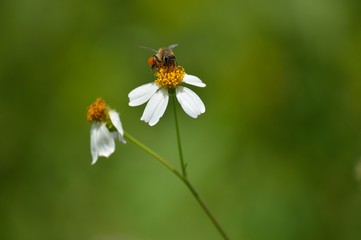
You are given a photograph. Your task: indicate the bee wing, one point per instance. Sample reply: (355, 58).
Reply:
(173, 46)
(149, 49)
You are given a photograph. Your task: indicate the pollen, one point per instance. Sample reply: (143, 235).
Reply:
(169, 77)
(98, 111)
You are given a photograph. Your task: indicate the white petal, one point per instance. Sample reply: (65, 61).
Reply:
(101, 141)
(142, 94)
(156, 107)
(114, 117)
(193, 80)
(190, 102)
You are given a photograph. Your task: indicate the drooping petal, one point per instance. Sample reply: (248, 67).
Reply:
(101, 141)
(156, 107)
(190, 102)
(142, 94)
(193, 80)
(114, 117)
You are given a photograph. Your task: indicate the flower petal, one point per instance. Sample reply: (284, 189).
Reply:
(101, 141)
(156, 107)
(190, 102)
(142, 94)
(114, 117)
(193, 80)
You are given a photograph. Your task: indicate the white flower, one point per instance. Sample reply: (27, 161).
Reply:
(157, 94)
(105, 128)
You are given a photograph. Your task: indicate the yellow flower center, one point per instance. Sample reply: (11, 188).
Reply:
(98, 111)
(169, 77)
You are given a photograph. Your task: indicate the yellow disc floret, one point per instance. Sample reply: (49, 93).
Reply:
(169, 77)
(98, 111)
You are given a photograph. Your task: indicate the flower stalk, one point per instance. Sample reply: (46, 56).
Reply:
(183, 165)
(184, 179)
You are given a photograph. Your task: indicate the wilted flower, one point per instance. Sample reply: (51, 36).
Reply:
(106, 127)
(170, 80)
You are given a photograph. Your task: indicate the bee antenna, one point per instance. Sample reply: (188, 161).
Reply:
(149, 49)
(173, 46)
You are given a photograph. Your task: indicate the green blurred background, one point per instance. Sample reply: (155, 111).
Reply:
(275, 156)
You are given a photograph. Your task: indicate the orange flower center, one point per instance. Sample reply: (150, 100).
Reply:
(98, 111)
(169, 76)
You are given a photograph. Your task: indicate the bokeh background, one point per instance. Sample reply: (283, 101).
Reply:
(277, 155)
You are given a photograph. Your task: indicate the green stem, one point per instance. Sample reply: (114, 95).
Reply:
(205, 208)
(184, 179)
(151, 152)
(178, 138)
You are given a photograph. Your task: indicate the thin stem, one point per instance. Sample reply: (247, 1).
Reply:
(183, 179)
(205, 208)
(151, 152)
(184, 172)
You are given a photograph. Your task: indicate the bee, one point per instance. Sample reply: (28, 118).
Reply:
(162, 57)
